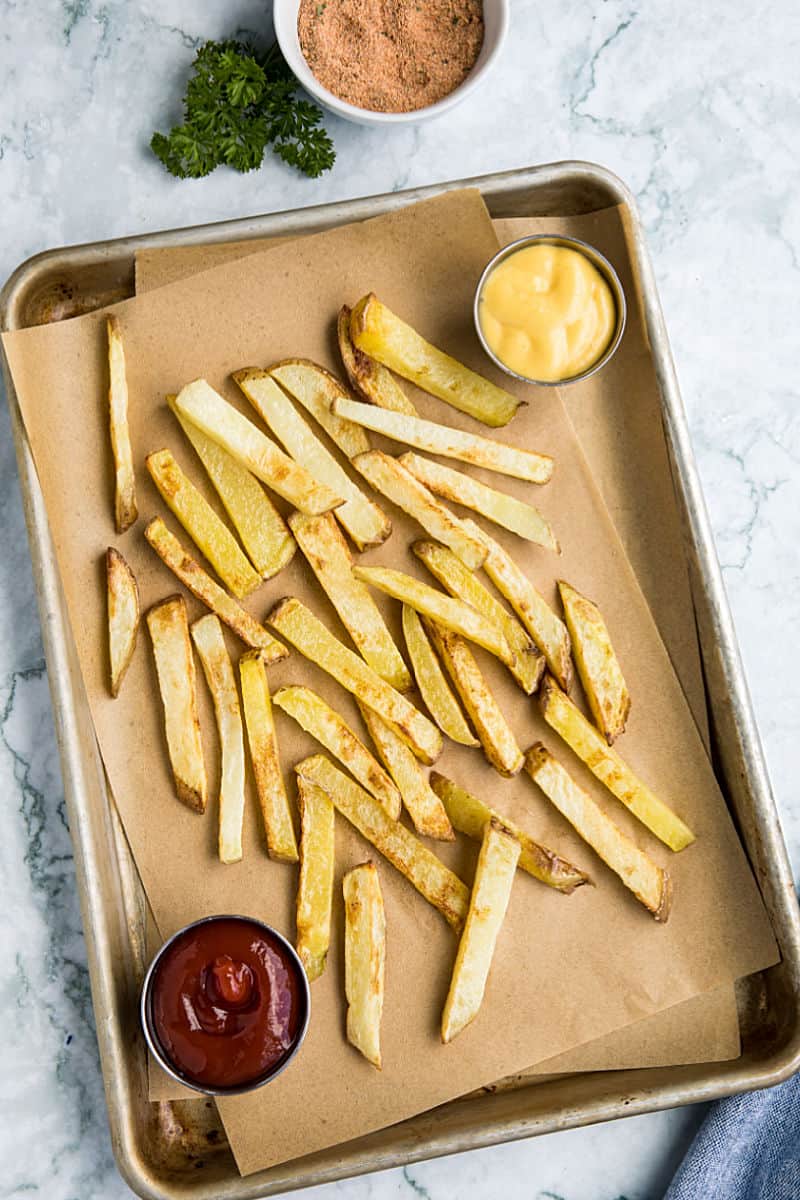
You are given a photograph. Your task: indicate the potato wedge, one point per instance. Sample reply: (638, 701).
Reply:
(263, 743)
(123, 616)
(650, 884)
(598, 666)
(491, 891)
(368, 378)
(316, 389)
(420, 866)
(224, 424)
(432, 683)
(315, 883)
(379, 333)
(125, 510)
(332, 731)
(329, 557)
(469, 815)
(364, 959)
(177, 682)
(359, 515)
(581, 736)
(307, 633)
(423, 805)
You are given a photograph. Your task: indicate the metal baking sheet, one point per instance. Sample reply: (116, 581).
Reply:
(178, 1148)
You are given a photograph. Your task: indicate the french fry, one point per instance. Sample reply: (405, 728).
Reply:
(329, 557)
(362, 518)
(378, 332)
(316, 389)
(307, 633)
(420, 866)
(496, 738)
(423, 805)
(581, 736)
(527, 665)
(469, 815)
(123, 616)
(364, 959)
(431, 681)
(315, 883)
(263, 743)
(368, 377)
(217, 668)
(201, 585)
(649, 883)
(125, 510)
(224, 424)
(204, 527)
(331, 731)
(491, 891)
(172, 650)
(598, 666)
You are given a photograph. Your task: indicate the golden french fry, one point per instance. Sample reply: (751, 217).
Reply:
(364, 959)
(315, 884)
(263, 743)
(125, 510)
(491, 891)
(316, 389)
(172, 649)
(423, 805)
(378, 332)
(368, 377)
(431, 681)
(307, 633)
(416, 862)
(598, 666)
(123, 616)
(581, 736)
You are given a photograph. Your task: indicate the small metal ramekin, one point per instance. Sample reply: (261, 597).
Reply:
(597, 260)
(148, 1024)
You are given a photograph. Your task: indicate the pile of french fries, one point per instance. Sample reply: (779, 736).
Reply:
(410, 702)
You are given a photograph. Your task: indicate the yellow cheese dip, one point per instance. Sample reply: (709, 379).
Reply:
(547, 312)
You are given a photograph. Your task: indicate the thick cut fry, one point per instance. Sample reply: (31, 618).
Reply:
(581, 736)
(371, 380)
(263, 743)
(315, 885)
(123, 616)
(332, 731)
(225, 425)
(431, 681)
(469, 816)
(496, 738)
(491, 891)
(378, 332)
(307, 633)
(423, 805)
(316, 389)
(172, 649)
(364, 959)
(528, 664)
(649, 883)
(416, 862)
(202, 524)
(330, 559)
(125, 510)
(201, 585)
(362, 519)
(598, 667)
(398, 485)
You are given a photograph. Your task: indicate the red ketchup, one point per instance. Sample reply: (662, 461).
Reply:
(227, 1003)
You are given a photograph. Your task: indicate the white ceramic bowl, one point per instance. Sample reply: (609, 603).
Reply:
(496, 18)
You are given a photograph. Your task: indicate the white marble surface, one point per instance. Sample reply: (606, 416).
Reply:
(696, 106)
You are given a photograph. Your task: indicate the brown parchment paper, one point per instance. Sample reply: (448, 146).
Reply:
(567, 969)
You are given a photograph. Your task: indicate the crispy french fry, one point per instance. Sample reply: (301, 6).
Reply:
(316, 389)
(315, 884)
(469, 815)
(423, 805)
(123, 616)
(431, 681)
(172, 649)
(598, 666)
(201, 585)
(491, 891)
(332, 731)
(125, 510)
(330, 559)
(581, 736)
(371, 380)
(307, 633)
(364, 959)
(649, 883)
(263, 743)
(420, 866)
(378, 332)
